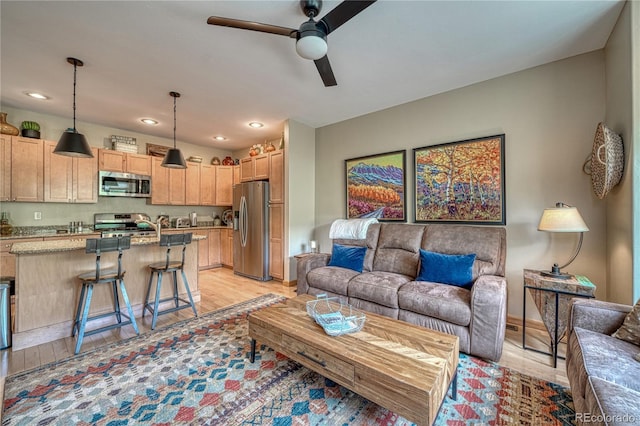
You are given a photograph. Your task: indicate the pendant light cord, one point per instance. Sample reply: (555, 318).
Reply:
(75, 69)
(174, 122)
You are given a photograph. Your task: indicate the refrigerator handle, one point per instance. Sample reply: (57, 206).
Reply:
(243, 221)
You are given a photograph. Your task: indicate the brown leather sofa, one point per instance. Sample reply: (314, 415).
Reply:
(387, 284)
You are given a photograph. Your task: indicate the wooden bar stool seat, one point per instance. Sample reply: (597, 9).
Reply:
(112, 275)
(171, 266)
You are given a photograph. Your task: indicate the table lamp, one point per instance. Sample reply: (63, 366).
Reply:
(562, 218)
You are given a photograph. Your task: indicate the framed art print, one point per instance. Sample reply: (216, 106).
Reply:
(376, 186)
(461, 182)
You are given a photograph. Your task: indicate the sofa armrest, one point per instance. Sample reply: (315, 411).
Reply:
(596, 315)
(488, 316)
(306, 265)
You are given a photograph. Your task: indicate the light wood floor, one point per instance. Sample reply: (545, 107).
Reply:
(220, 288)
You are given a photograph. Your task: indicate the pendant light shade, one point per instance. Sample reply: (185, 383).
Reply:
(72, 143)
(174, 159)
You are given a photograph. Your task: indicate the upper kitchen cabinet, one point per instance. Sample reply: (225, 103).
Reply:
(236, 174)
(276, 177)
(192, 189)
(207, 185)
(167, 185)
(69, 179)
(224, 185)
(254, 168)
(5, 172)
(27, 166)
(118, 161)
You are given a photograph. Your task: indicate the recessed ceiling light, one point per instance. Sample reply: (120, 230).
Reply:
(149, 121)
(37, 95)
(255, 125)
(220, 138)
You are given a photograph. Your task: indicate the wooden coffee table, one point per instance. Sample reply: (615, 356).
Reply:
(402, 367)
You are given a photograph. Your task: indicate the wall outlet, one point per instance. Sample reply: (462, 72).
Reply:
(37, 215)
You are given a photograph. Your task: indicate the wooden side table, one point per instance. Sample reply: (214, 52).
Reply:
(552, 296)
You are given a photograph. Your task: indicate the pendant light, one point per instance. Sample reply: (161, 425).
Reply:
(174, 158)
(72, 143)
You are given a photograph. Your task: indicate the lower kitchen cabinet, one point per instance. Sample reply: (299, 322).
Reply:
(208, 249)
(226, 247)
(8, 260)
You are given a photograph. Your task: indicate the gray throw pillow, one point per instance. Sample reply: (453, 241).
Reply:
(630, 328)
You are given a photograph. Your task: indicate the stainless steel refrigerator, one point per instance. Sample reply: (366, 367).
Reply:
(251, 230)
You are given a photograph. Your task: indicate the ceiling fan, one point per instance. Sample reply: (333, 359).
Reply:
(311, 37)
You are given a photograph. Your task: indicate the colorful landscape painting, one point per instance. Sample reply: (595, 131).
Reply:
(376, 187)
(461, 182)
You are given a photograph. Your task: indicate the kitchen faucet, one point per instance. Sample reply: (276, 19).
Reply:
(157, 226)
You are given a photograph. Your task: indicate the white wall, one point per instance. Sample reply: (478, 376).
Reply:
(300, 181)
(549, 115)
(21, 214)
(619, 201)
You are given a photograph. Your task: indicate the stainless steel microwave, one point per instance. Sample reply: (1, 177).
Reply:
(116, 184)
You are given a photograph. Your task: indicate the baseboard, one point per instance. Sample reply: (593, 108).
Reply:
(293, 283)
(515, 324)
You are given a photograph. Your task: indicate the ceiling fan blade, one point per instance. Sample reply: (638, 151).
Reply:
(343, 12)
(253, 26)
(326, 73)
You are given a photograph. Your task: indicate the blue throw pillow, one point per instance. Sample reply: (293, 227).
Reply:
(348, 257)
(454, 269)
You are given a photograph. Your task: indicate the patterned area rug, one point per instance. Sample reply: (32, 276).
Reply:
(197, 372)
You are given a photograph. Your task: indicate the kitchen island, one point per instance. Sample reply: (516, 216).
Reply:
(47, 288)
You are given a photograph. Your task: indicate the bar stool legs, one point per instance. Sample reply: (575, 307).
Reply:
(153, 307)
(82, 312)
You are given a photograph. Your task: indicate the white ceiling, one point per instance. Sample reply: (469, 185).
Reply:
(135, 52)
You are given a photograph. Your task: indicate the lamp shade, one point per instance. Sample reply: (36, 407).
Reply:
(174, 159)
(73, 144)
(562, 218)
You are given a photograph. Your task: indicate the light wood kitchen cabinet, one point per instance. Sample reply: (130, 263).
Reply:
(5, 163)
(192, 184)
(276, 237)
(27, 168)
(224, 185)
(226, 247)
(111, 161)
(69, 179)
(177, 187)
(138, 164)
(236, 174)
(276, 177)
(254, 168)
(207, 185)
(209, 248)
(159, 182)
(8, 260)
(125, 162)
(167, 185)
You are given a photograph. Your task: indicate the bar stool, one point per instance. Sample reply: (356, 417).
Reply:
(169, 266)
(103, 276)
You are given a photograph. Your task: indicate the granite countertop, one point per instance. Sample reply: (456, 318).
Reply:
(45, 232)
(70, 244)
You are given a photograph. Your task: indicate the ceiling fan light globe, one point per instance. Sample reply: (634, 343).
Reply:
(311, 47)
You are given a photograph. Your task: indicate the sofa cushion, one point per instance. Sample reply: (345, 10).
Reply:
(331, 278)
(378, 287)
(444, 302)
(454, 269)
(347, 257)
(488, 243)
(605, 357)
(607, 400)
(397, 249)
(630, 328)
